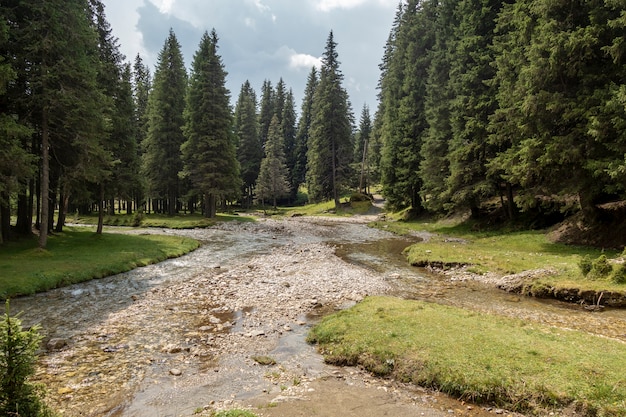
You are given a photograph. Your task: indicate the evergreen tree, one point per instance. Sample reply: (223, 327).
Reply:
(273, 183)
(162, 157)
(249, 150)
(435, 165)
(288, 131)
(404, 93)
(298, 173)
(18, 357)
(267, 110)
(330, 137)
(470, 69)
(361, 148)
(67, 98)
(142, 85)
(16, 162)
(209, 150)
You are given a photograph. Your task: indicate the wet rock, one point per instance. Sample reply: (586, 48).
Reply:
(56, 344)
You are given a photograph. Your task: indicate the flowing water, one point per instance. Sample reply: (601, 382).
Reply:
(129, 333)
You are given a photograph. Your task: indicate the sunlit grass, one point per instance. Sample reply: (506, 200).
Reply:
(178, 221)
(78, 255)
(502, 252)
(478, 357)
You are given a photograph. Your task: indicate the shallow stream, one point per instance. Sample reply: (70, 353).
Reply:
(172, 338)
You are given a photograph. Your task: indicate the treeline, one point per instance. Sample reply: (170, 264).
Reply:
(520, 102)
(84, 130)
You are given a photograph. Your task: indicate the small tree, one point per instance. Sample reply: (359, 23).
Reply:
(18, 353)
(273, 183)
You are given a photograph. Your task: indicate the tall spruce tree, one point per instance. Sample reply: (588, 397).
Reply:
(209, 152)
(66, 97)
(404, 93)
(249, 150)
(16, 162)
(298, 173)
(288, 131)
(273, 182)
(267, 109)
(162, 157)
(142, 86)
(361, 148)
(330, 137)
(435, 164)
(474, 100)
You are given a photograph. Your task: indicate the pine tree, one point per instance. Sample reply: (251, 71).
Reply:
(288, 131)
(142, 85)
(470, 69)
(330, 137)
(273, 183)
(209, 150)
(404, 93)
(361, 148)
(249, 150)
(16, 162)
(67, 99)
(267, 110)
(162, 157)
(18, 357)
(298, 173)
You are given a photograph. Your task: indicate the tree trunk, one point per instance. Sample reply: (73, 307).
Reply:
(210, 206)
(64, 202)
(100, 210)
(334, 167)
(5, 218)
(45, 180)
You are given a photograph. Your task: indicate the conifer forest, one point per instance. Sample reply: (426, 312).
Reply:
(514, 104)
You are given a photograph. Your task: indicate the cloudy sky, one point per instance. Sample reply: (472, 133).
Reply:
(265, 39)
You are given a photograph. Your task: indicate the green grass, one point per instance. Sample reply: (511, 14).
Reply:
(478, 357)
(327, 209)
(179, 221)
(503, 252)
(234, 413)
(78, 255)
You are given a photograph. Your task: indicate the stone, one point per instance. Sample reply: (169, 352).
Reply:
(56, 344)
(176, 372)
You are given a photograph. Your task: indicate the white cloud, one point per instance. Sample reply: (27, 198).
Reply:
(165, 6)
(330, 5)
(300, 61)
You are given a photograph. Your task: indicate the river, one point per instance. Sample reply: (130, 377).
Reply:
(182, 336)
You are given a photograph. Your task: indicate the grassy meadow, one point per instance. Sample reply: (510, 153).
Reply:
(78, 254)
(477, 357)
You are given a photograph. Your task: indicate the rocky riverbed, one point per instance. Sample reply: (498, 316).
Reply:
(225, 326)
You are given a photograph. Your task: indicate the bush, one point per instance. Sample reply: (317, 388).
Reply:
(619, 275)
(18, 354)
(585, 265)
(600, 268)
(359, 197)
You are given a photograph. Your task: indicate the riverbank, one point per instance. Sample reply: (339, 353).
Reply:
(521, 262)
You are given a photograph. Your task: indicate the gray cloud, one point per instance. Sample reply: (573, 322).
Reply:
(266, 39)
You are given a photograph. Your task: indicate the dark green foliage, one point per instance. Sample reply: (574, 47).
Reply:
(585, 265)
(600, 268)
(289, 131)
(273, 183)
(209, 150)
(18, 356)
(249, 149)
(619, 274)
(330, 136)
(298, 171)
(162, 156)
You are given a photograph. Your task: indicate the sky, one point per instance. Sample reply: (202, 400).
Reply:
(265, 39)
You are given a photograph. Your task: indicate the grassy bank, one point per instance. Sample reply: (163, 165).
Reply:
(179, 221)
(502, 252)
(480, 358)
(78, 255)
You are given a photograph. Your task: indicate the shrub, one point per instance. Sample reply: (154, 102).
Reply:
(619, 275)
(359, 197)
(585, 265)
(600, 267)
(18, 354)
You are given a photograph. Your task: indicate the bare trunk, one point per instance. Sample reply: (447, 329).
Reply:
(100, 210)
(335, 191)
(45, 181)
